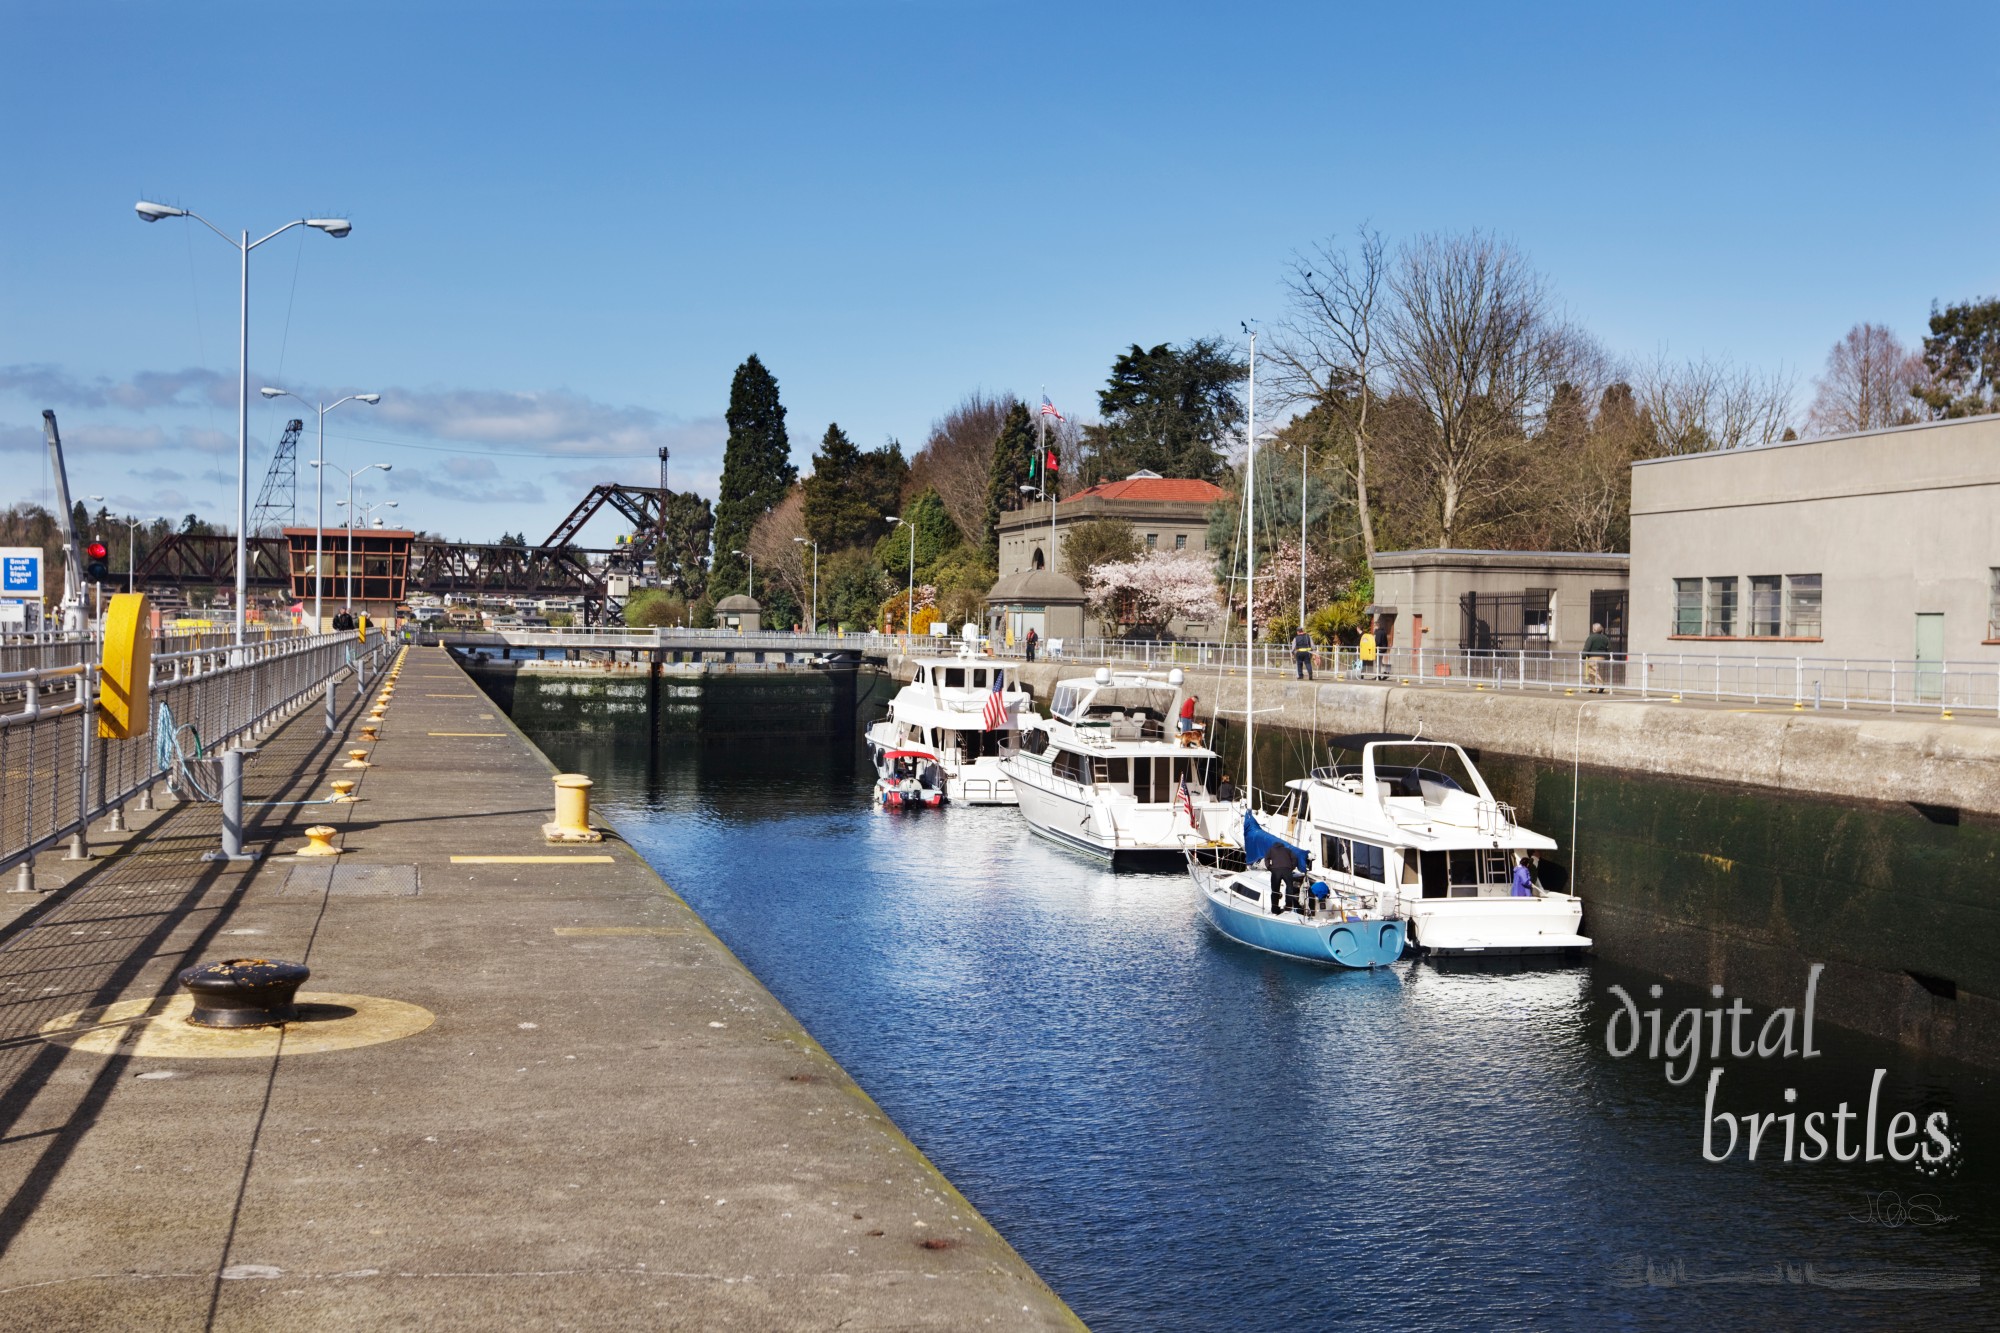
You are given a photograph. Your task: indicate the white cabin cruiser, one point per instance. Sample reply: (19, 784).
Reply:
(1110, 777)
(950, 709)
(1414, 827)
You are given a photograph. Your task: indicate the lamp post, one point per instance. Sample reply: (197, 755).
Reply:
(350, 516)
(909, 606)
(815, 611)
(319, 483)
(131, 545)
(335, 227)
(753, 574)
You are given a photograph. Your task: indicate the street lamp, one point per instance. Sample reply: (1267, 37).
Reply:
(350, 516)
(131, 545)
(335, 227)
(815, 610)
(910, 606)
(753, 573)
(319, 483)
(1304, 450)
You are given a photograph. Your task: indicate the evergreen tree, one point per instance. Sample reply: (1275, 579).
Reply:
(1013, 455)
(682, 552)
(756, 471)
(1168, 409)
(1962, 360)
(850, 494)
(937, 537)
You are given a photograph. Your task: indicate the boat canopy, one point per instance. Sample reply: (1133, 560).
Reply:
(1076, 699)
(1258, 842)
(924, 755)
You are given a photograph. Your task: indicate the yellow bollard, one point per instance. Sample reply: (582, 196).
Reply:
(343, 791)
(319, 842)
(1945, 716)
(1677, 698)
(357, 759)
(370, 732)
(572, 821)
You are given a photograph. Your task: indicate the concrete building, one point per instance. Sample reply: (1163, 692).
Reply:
(1049, 603)
(1166, 513)
(1883, 544)
(1540, 601)
(739, 613)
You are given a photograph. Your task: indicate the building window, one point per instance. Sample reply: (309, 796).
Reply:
(1687, 606)
(1766, 601)
(1722, 607)
(1993, 608)
(1152, 540)
(1180, 541)
(1537, 614)
(1036, 561)
(1802, 606)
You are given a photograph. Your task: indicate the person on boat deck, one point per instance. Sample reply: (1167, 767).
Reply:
(1187, 719)
(1524, 879)
(1283, 867)
(1227, 791)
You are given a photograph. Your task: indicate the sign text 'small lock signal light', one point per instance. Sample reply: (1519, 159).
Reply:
(96, 570)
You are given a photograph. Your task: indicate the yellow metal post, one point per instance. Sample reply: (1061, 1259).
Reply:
(125, 677)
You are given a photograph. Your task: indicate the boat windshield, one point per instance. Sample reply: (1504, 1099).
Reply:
(1110, 702)
(1404, 766)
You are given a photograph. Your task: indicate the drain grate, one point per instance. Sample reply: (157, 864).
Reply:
(352, 881)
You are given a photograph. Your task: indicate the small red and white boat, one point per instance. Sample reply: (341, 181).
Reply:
(911, 780)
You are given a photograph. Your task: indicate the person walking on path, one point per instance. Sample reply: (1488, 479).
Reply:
(1596, 651)
(1367, 652)
(1032, 640)
(1302, 653)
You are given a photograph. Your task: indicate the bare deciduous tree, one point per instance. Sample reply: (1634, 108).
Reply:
(1705, 404)
(1472, 341)
(780, 559)
(958, 456)
(1325, 350)
(1869, 375)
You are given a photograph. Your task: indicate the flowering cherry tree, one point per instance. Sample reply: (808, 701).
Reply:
(1277, 597)
(1157, 587)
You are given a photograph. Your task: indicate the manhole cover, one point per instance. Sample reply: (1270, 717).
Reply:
(353, 881)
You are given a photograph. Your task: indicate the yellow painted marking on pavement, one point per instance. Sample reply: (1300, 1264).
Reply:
(623, 930)
(530, 860)
(465, 733)
(327, 1022)
(451, 696)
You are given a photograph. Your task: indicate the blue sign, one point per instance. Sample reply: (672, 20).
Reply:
(20, 571)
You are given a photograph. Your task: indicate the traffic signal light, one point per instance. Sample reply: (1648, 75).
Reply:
(97, 571)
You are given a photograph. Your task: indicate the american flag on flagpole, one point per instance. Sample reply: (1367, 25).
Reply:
(1187, 801)
(994, 716)
(1049, 409)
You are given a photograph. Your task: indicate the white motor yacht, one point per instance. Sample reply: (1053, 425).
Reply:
(947, 710)
(1414, 829)
(1111, 778)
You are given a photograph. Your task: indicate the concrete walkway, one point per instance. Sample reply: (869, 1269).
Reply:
(609, 1123)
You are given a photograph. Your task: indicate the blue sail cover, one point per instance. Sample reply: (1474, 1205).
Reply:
(1258, 842)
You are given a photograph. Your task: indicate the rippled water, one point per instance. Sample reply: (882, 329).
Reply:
(1179, 1133)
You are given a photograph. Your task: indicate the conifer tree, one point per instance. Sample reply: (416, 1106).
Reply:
(849, 493)
(756, 471)
(1013, 455)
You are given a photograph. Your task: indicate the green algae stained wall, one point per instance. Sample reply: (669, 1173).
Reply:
(1879, 886)
(714, 705)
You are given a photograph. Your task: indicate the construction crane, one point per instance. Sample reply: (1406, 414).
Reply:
(75, 618)
(278, 502)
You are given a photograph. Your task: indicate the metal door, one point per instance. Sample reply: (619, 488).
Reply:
(1930, 655)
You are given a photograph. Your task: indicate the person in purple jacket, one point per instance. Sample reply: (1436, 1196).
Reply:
(1524, 882)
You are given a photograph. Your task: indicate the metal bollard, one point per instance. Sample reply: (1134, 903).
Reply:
(232, 810)
(572, 821)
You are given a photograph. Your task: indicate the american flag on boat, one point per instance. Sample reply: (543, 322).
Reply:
(994, 716)
(1049, 408)
(1187, 802)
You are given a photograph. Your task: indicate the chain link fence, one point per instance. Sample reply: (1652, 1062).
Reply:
(57, 774)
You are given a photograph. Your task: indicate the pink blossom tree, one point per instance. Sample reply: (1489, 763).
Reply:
(1155, 588)
(1277, 597)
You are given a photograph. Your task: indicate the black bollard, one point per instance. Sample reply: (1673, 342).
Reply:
(244, 992)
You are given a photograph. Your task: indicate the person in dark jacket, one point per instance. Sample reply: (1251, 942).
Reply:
(1596, 651)
(1283, 867)
(1033, 639)
(1302, 653)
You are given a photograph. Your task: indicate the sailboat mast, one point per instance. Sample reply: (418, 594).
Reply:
(1250, 596)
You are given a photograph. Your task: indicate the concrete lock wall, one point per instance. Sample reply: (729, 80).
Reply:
(1895, 522)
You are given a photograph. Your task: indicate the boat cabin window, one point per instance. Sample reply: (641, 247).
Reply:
(979, 677)
(922, 676)
(1468, 873)
(1071, 766)
(954, 677)
(1156, 779)
(1242, 892)
(1363, 860)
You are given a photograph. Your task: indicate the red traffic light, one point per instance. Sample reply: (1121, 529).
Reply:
(97, 550)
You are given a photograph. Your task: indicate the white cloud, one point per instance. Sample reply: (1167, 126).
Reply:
(54, 387)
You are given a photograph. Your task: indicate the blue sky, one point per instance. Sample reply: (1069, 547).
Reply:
(572, 221)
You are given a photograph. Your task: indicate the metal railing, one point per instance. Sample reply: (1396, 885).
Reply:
(57, 775)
